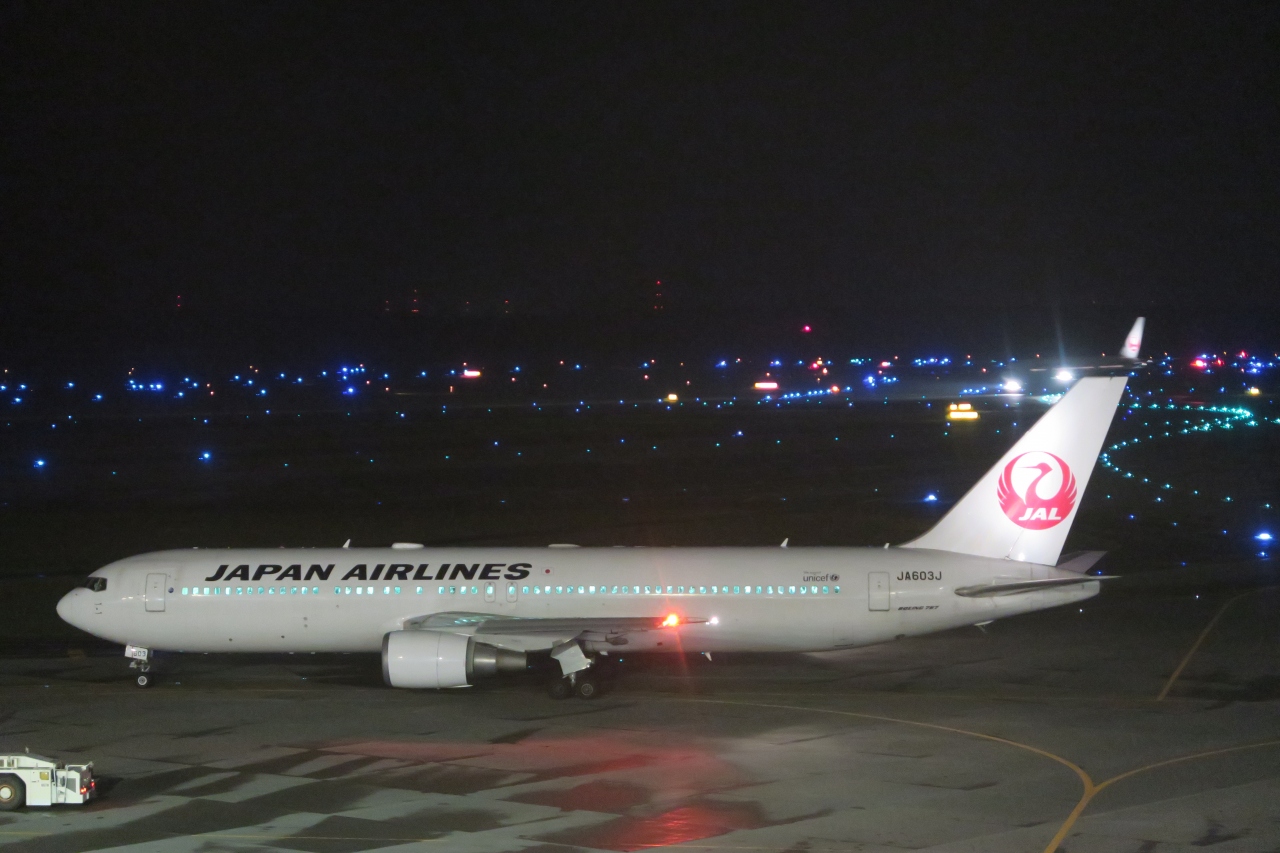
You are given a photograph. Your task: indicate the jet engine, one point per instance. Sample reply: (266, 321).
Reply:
(441, 659)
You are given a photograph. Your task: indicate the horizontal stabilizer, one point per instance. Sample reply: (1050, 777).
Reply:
(989, 590)
(1081, 561)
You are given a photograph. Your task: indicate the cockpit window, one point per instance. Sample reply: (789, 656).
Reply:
(95, 584)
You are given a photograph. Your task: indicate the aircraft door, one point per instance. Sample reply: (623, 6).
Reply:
(878, 591)
(511, 590)
(490, 592)
(154, 596)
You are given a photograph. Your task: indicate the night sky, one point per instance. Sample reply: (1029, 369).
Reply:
(265, 157)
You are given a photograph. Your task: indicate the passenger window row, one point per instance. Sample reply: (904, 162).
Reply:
(525, 590)
(676, 590)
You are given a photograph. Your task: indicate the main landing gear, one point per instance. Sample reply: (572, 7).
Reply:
(585, 683)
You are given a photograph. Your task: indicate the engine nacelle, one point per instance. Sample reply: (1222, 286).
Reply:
(441, 659)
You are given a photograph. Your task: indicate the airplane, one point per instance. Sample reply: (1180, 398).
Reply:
(452, 617)
(1127, 359)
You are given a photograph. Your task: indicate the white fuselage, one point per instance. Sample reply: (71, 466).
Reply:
(346, 600)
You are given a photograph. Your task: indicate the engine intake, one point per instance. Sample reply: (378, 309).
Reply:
(440, 659)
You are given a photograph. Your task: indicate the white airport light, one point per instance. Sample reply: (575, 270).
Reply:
(1263, 537)
(1012, 386)
(673, 398)
(1063, 376)
(930, 498)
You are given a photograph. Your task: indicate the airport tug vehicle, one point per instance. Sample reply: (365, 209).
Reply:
(34, 780)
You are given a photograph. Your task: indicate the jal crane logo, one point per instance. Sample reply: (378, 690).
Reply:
(1037, 490)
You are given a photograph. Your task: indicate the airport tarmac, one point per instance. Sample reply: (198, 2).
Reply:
(1061, 730)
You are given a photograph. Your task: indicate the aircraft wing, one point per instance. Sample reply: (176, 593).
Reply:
(610, 629)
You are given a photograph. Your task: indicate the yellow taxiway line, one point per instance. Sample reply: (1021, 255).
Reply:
(1091, 789)
(1177, 673)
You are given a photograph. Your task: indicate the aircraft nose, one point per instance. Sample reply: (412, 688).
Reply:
(69, 607)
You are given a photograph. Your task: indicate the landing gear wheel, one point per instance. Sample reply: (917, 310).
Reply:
(559, 688)
(12, 793)
(144, 680)
(587, 688)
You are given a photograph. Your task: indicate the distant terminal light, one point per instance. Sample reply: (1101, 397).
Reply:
(1064, 376)
(673, 398)
(961, 412)
(470, 373)
(39, 463)
(767, 385)
(835, 389)
(1253, 392)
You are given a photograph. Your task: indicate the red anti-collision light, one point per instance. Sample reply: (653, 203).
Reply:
(672, 621)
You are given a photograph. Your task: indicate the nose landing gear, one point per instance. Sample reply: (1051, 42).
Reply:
(141, 660)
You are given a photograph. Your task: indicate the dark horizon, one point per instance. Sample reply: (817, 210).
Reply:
(73, 342)
(266, 160)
